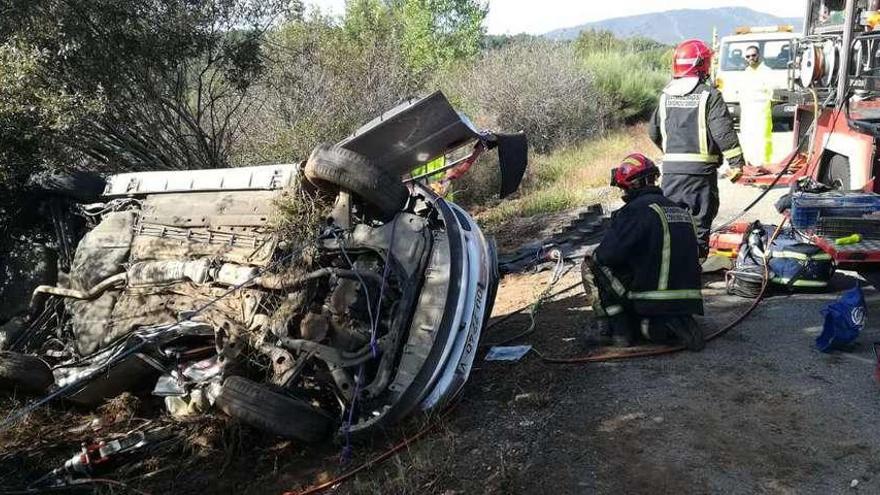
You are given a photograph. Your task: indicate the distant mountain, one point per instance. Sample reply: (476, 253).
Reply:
(673, 26)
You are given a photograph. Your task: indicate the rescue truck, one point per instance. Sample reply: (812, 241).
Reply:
(835, 83)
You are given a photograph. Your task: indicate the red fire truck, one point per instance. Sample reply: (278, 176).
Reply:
(835, 84)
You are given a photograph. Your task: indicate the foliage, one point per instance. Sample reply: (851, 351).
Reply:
(323, 82)
(33, 114)
(324, 79)
(434, 33)
(591, 41)
(169, 76)
(630, 71)
(430, 34)
(629, 80)
(537, 87)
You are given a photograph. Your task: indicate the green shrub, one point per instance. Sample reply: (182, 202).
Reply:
(632, 81)
(534, 86)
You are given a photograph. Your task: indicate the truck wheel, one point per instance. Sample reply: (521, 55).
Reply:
(333, 168)
(838, 173)
(260, 407)
(25, 373)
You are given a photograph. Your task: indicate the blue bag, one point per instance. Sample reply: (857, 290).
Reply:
(844, 320)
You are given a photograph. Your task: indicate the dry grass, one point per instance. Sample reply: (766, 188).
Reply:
(568, 178)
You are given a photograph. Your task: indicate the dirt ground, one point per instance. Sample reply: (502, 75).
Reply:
(758, 411)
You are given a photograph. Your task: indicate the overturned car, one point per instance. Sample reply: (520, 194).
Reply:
(183, 287)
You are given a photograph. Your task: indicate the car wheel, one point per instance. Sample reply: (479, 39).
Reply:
(25, 373)
(333, 168)
(260, 407)
(82, 187)
(838, 175)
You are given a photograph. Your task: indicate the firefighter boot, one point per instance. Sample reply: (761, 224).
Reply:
(686, 331)
(623, 332)
(603, 332)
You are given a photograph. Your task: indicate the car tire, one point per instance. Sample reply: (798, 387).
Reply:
(24, 373)
(332, 168)
(258, 406)
(79, 186)
(839, 175)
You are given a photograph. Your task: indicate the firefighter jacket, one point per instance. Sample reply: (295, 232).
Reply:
(694, 129)
(652, 242)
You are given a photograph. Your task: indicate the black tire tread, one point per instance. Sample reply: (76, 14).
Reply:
(262, 408)
(332, 167)
(839, 168)
(25, 373)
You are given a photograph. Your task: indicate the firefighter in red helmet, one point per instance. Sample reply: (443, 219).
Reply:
(695, 131)
(645, 274)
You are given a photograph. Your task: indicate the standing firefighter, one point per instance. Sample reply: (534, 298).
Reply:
(645, 273)
(694, 129)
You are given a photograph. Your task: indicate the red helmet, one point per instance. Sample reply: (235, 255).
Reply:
(692, 58)
(632, 169)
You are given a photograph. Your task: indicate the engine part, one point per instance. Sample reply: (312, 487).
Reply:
(84, 295)
(102, 252)
(147, 273)
(237, 275)
(343, 381)
(314, 327)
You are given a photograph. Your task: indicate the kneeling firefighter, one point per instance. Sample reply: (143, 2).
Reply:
(646, 271)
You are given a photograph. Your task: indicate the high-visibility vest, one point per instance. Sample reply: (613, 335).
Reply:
(756, 116)
(683, 124)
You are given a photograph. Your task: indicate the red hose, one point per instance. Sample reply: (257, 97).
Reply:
(319, 488)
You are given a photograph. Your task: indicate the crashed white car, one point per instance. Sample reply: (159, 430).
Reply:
(183, 288)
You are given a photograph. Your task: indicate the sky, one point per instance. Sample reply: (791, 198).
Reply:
(541, 16)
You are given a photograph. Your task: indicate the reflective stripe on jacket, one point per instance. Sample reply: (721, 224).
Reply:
(694, 129)
(654, 240)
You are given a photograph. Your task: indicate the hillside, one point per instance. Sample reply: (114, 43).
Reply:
(672, 26)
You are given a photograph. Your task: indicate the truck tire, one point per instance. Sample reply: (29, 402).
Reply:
(258, 406)
(838, 175)
(81, 187)
(332, 168)
(24, 373)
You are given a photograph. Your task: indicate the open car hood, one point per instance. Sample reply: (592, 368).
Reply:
(422, 129)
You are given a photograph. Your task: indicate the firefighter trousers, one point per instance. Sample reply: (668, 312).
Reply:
(700, 194)
(607, 289)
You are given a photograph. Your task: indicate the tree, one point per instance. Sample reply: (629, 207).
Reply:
(166, 79)
(436, 32)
